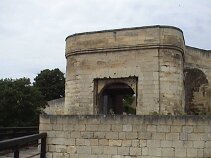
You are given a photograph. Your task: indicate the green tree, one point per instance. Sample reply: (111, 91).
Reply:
(20, 103)
(51, 83)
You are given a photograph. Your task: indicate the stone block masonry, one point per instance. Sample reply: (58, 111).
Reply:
(153, 55)
(127, 136)
(170, 77)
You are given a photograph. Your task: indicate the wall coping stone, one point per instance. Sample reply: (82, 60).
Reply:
(122, 29)
(202, 119)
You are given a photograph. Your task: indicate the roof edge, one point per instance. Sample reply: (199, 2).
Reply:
(198, 48)
(131, 28)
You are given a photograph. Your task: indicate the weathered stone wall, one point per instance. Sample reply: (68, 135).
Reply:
(199, 59)
(155, 63)
(80, 85)
(152, 54)
(127, 136)
(171, 82)
(55, 107)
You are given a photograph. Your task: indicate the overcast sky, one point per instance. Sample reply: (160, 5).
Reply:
(33, 32)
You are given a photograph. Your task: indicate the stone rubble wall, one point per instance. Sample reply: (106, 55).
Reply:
(127, 136)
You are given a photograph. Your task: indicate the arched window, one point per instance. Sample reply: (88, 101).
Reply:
(196, 86)
(117, 98)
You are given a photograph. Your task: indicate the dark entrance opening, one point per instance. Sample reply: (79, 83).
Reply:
(117, 98)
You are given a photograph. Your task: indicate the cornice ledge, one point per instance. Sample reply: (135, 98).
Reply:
(123, 48)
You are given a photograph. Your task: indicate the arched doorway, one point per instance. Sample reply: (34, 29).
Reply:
(196, 88)
(117, 98)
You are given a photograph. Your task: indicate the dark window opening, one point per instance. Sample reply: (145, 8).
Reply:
(117, 98)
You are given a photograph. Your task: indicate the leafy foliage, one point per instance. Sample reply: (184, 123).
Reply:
(50, 83)
(20, 103)
(127, 103)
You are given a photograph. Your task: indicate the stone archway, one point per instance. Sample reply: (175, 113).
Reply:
(116, 96)
(196, 92)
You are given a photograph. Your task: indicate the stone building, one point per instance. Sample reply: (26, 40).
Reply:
(152, 64)
(127, 91)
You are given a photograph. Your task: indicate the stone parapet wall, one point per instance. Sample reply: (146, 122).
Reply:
(124, 39)
(197, 58)
(127, 136)
(55, 107)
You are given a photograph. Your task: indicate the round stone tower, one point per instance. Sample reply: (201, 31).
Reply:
(144, 62)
